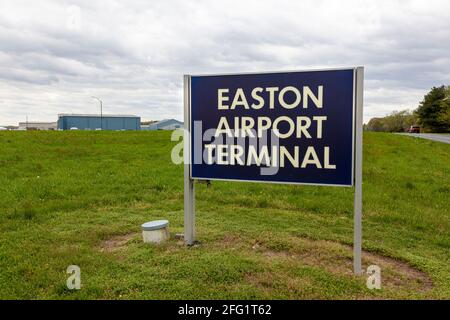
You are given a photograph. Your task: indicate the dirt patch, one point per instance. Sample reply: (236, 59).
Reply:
(271, 283)
(336, 258)
(117, 243)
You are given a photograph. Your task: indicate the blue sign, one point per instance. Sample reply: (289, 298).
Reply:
(287, 127)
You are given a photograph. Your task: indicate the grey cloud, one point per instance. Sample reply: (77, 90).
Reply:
(55, 54)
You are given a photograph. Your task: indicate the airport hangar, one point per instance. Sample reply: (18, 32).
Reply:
(98, 122)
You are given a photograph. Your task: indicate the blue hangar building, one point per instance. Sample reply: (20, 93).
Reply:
(98, 122)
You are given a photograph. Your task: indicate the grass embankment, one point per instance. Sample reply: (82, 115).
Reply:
(79, 198)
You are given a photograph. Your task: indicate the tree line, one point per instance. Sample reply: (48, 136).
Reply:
(432, 115)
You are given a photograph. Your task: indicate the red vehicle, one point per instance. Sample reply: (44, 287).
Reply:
(414, 129)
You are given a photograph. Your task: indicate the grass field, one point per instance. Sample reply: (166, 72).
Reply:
(80, 197)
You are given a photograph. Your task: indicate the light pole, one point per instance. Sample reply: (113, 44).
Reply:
(101, 111)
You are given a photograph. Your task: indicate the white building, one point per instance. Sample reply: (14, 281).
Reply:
(167, 124)
(37, 125)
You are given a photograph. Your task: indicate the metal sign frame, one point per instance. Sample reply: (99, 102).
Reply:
(189, 187)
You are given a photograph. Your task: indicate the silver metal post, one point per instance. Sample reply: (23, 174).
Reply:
(189, 192)
(357, 241)
(101, 114)
(101, 111)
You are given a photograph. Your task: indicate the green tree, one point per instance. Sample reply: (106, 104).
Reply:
(433, 111)
(444, 115)
(397, 121)
(375, 124)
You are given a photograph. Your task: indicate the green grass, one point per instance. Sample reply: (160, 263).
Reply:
(67, 197)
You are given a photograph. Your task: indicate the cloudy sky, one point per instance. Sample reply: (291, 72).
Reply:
(55, 55)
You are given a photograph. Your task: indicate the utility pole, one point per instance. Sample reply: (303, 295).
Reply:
(101, 111)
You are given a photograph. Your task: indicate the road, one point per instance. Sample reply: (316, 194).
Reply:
(445, 138)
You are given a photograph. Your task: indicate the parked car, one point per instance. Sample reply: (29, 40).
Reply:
(414, 129)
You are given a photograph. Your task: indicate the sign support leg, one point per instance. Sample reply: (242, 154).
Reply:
(189, 191)
(357, 241)
(189, 212)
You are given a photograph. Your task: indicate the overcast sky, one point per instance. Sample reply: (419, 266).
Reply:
(55, 55)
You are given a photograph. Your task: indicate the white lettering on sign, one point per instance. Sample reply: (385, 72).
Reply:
(234, 155)
(275, 94)
(300, 126)
(284, 127)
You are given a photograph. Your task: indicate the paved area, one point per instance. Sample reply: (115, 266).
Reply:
(445, 138)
